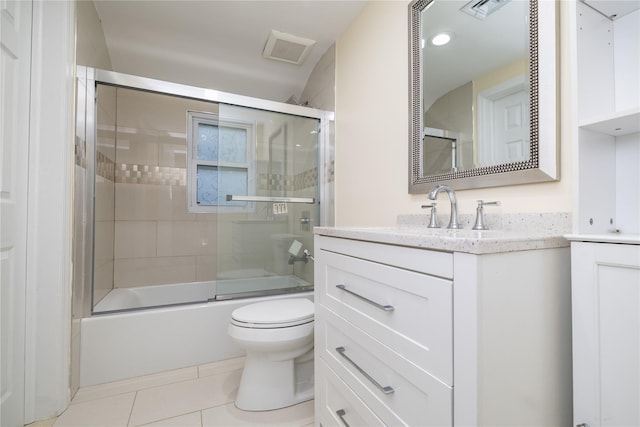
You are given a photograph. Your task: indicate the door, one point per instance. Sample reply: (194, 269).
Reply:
(261, 239)
(511, 127)
(15, 52)
(503, 123)
(606, 334)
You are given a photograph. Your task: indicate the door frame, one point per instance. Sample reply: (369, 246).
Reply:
(50, 207)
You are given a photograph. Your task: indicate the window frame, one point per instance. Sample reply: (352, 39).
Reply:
(194, 119)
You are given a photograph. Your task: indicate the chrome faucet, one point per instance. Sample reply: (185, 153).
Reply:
(306, 256)
(433, 194)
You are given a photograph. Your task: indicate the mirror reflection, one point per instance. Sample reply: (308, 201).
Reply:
(484, 73)
(475, 73)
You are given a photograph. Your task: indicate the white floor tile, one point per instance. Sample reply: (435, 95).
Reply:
(181, 398)
(228, 416)
(134, 384)
(193, 419)
(111, 411)
(220, 367)
(43, 423)
(190, 397)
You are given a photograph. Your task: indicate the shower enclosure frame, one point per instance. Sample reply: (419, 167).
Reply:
(96, 76)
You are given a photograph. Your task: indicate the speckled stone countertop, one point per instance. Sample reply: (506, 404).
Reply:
(507, 233)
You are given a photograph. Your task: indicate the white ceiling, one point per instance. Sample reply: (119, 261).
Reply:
(218, 44)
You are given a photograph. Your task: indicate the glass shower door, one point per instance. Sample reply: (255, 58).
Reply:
(268, 205)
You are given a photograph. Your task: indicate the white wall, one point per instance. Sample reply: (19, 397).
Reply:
(372, 121)
(91, 46)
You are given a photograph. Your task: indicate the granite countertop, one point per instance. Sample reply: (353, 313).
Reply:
(515, 232)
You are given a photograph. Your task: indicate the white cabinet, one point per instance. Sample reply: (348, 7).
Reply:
(606, 105)
(605, 249)
(418, 337)
(606, 334)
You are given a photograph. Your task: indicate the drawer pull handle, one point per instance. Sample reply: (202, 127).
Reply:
(341, 413)
(385, 389)
(373, 303)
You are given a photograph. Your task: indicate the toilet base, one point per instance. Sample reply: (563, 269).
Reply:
(267, 384)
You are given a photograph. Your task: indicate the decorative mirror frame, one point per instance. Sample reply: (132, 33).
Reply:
(543, 163)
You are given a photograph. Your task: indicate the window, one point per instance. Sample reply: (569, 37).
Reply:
(220, 154)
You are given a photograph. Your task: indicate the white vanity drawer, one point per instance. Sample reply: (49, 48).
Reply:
(397, 390)
(435, 263)
(338, 405)
(420, 325)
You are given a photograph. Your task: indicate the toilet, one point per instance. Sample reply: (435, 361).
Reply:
(277, 336)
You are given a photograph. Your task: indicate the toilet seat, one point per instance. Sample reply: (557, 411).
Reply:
(274, 314)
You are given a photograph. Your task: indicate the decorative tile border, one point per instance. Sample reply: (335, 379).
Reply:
(146, 174)
(127, 173)
(80, 152)
(330, 169)
(105, 167)
(306, 179)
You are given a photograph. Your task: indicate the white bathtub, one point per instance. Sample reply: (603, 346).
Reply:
(155, 296)
(129, 344)
(183, 293)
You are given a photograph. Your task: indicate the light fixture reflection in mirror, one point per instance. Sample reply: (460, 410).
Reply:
(485, 86)
(440, 39)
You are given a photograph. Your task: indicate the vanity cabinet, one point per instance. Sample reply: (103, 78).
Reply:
(420, 337)
(605, 248)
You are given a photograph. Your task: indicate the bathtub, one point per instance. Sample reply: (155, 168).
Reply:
(184, 293)
(128, 344)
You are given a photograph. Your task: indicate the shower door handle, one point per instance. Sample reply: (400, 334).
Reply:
(236, 198)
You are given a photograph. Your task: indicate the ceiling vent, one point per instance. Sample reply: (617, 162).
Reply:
(287, 48)
(482, 8)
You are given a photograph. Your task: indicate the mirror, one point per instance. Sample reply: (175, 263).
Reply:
(483, 105)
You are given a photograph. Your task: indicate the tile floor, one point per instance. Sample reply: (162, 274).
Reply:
(200, 396)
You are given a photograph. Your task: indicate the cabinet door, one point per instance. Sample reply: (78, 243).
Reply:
(606, 334)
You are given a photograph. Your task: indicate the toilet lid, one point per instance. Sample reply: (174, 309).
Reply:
(285, 312)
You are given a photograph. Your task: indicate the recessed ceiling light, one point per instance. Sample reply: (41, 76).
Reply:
(440, 39)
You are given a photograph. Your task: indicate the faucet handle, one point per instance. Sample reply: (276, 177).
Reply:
(433, 221)
(483, 203)
(479, 225)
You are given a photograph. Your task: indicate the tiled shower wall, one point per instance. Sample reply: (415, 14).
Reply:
(156, 241)
(144, 233)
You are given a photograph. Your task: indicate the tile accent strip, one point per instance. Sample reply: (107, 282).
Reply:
(155, 175)
(80, 153)
(105, 167)
(127, 173)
